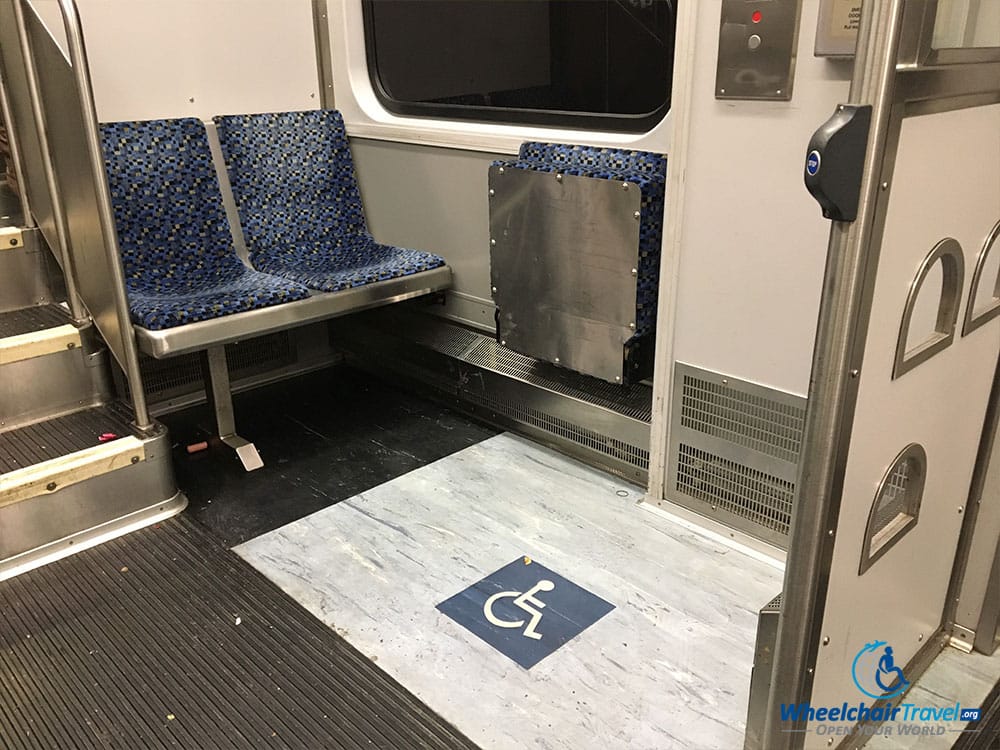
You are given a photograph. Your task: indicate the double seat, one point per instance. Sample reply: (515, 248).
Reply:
(310, 255)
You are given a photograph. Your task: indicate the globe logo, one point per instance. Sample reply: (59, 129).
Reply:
(875, 672)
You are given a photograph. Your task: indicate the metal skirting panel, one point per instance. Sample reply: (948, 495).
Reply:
(40, 528)
(733, 451)
(164, 639)
(66, 381)
(598, 422)
(760, 676)
(30, 274)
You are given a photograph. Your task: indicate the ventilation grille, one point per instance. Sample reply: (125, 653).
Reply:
(753, 421)
(165, 378)
(618, 449)
(749, 493)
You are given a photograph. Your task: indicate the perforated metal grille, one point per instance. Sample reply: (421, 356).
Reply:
(181, 374)
(895, 498)
(754, 421)
(631, 454)
(749, 493)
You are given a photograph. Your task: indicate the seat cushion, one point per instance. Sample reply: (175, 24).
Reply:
(331, 266)
(170, 306)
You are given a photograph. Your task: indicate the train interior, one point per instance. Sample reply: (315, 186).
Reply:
(526, 374)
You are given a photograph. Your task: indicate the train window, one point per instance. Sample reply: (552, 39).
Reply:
(596, 64)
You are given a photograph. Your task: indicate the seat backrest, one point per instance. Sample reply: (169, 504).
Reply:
(292, 177)
(172, 226)
(593, 159)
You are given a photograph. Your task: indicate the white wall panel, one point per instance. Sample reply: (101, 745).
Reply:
(753, 241)
(196, 58)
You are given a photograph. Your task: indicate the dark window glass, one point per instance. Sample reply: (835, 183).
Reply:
(578, 63)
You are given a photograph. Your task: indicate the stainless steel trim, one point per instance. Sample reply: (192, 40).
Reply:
(843, 322)
(972, 319)
(914, 457)
(989, 619)
(81, 71)
(207, 333)
(58, 209)
(949, 252)
(324, 53)
(917, 47)
(27, 219)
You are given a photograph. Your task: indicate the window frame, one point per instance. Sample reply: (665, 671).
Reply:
(636, 124)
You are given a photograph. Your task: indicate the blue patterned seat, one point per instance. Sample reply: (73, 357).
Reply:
(176, 247)
(643, 169)
(300, 208)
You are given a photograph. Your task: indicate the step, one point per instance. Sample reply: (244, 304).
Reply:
(35, 332)
(45, 457)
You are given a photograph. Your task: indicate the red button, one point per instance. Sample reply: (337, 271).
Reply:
(757, 15)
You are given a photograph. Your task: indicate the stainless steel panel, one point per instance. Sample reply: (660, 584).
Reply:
(66, 123)
(757, 44)
(837, 29)
(34, 529)
(43, 387)
(22, 121)
(564, 251)
(760, 677)
(25, 274)
(203, 334)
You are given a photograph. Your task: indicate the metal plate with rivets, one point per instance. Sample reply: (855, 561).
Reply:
(563, 250)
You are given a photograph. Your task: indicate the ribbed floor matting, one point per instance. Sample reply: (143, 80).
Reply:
(31, 319)
(165, 639)
(60, 436)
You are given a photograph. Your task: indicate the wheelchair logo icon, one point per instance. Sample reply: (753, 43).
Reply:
(527, 602)
(875, 672)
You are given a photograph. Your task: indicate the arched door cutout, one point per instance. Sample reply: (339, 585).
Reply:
(949, 253)
(977, 315)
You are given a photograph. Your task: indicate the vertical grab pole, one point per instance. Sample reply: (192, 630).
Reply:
(15, 154)
(58, 210)
(81, 72)
(844, 314)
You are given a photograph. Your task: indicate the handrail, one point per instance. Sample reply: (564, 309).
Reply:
(76, 307)
(81, 74)
(15, 154)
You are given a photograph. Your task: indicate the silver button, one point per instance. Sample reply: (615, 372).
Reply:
(753, 42)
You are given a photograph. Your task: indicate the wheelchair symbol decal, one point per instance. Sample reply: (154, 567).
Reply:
(526, 602)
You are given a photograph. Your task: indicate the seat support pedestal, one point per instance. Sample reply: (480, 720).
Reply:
(219, 393)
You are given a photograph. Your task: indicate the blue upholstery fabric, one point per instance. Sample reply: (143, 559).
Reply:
(175, 242)
(645, 170)
(300, 207)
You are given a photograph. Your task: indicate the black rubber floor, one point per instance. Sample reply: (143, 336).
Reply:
(324, 437)
(165, 639)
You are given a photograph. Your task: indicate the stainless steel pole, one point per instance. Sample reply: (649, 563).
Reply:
(76, 307)
(837, 359)
(85, 91)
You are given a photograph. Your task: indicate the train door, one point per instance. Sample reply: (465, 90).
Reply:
(905, 360)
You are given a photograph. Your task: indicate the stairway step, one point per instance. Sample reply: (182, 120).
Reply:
(31, 319)
(34, 332)
(44, 441)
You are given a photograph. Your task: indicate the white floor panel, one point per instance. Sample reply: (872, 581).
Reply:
(669, 667)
